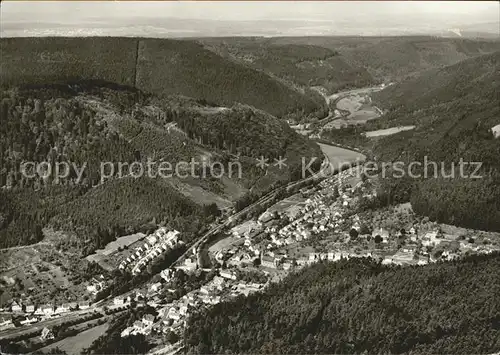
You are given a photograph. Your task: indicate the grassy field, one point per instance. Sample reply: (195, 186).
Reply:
(189, 188)
(288, 205)
(120, 242)
(162, 66)
(104, 257)
(224, 244)
(75, 345)
(360, 108)
(340, 156)
(388, 131)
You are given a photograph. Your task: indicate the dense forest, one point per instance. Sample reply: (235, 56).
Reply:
(360, 306)
(397, 58)
(160, 66)
(239, 129)
(454, 109)
(89, 123)
(298, 64)
(45, 126)
(340, 63)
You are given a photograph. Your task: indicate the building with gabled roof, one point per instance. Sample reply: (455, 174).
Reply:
(46, 334)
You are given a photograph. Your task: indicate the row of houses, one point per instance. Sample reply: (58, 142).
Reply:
(47, 309)
(156, 244)
(173, 316)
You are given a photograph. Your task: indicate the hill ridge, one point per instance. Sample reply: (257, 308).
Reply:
(160, 66)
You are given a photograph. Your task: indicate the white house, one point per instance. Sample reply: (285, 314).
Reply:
(62, 309)
(496, 131)
(16, 307)
(156, 287)
(227, 274)
(167, 274)
(84, 305)
(118, 301)
(46, 334)
(174, 315)
(48, 310)
(29, 320)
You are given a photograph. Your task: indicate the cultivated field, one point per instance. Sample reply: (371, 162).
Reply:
(224, 244)
(40, 274)
(289, 205)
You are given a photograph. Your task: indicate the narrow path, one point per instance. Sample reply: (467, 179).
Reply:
(25, 246)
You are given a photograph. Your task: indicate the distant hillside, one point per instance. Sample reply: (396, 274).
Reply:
(445, 104)
(160, 66)
(394, 58)
(357, 307)
(399, 57)
(454, 109)
(295, 63)
(55, 60)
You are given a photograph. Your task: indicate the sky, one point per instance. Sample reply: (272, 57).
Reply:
(30, 16)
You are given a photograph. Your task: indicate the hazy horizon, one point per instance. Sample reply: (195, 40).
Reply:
(225, 18)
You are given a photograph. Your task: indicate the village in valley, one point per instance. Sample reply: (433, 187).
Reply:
(321, 223)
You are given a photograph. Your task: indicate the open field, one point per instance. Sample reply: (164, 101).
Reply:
(74, 345)
(120, 242)
(224, 244)
(360, 108)
(340, 156)
(355, 105)
(197, 193)
(289, 205)
(388, 131)
(104, 256)
(245, 227)
(351, 103)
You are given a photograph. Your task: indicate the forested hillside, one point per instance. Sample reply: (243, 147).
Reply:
(400, 57)
(387, 58)
(94, 123)
(153, 65)
(239, 129)
(298, 64)
(359, 306)
(454, 109)
(186, 68)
